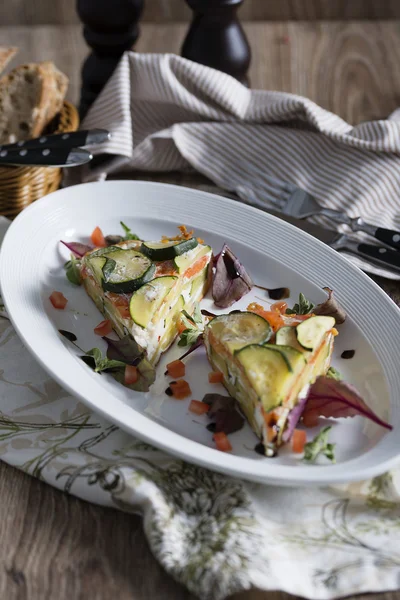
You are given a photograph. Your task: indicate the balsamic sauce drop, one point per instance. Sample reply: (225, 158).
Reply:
(348, 354)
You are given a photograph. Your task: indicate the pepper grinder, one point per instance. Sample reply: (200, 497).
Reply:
(110, 28)
(216, 38)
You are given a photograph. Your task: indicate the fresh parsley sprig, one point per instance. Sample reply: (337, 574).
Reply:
(128, 233)
(320, 446)
(193, 327)
(303, 307)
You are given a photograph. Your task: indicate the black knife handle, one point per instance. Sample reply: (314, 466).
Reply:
(380, 255)
(388, 236)
(85, 137)
(48, 157)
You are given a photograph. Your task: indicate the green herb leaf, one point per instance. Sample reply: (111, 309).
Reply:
(102, 363)
(334, 374)
(189, 337)
(72, 270)
(128, 233)
(320, 445)
(303, 307)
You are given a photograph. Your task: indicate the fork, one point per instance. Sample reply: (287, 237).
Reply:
(296, 202)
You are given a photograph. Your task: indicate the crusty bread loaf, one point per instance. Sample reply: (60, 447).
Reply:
(30, 96)
(6, 54)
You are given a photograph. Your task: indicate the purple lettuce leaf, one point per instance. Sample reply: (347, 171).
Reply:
(128, 351)
(331, 308)
(223, 411)
(77, 248)
(231, 280)
(331, 398)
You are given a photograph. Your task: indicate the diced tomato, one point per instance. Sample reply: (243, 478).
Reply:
(215, 377)
(176, 369)
(273, 318)
(299, 439)
(98, 238)
(196, 268)
(131, 375)
(198, 408)
(103, 328)
(180, 389)
(222, 442)
(58, 300)
(279, 307)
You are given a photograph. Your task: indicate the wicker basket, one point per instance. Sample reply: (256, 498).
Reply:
(19, 186)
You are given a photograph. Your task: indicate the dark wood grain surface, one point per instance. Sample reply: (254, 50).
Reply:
(62, 12)
(54, 546)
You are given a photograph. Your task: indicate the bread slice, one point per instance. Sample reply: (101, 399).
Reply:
(30, 96)
(7, 53)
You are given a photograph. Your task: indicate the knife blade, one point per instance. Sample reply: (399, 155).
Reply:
(381, 256)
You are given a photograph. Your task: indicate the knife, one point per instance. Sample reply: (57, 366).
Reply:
(73, 139)
(381, 256)
(46, 157)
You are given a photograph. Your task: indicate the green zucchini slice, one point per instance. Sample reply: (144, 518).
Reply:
(123, 271)
(184, 261)
(286, 336)
(310, 332)
(147, 300)
(167, 251)
(240, 329)
(269, 372)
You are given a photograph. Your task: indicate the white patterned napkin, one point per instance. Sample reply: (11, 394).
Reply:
(167, 113)
(215, 535)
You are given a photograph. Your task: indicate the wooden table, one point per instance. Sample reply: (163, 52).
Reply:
(55, 546)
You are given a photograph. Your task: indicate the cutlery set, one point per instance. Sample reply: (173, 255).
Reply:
(295, 205)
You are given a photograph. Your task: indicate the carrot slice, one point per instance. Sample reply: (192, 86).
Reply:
(198, 408)
(273, 317)
(176, 369)
(299, 439)
(98, 238)
(180, 389)
(222, 442)
(103, 328)
(58, 300)
(196, 268)
(131, 374)
(215, 377)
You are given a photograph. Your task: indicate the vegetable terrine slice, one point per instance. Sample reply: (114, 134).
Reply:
(267, 373)
(142, 287)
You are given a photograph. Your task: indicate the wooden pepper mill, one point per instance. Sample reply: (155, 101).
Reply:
(110, 28)
(216, 38)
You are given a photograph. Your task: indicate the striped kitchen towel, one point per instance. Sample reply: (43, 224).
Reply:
(167, 113)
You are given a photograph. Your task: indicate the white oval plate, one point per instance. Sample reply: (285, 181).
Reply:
(275, 253)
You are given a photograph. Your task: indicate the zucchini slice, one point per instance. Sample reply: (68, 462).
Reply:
(147, 300)
(240, 329)
(184, 261)
(123, 271)
(269, 372)
(286, 336)
(168, 250)
(310, 332)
